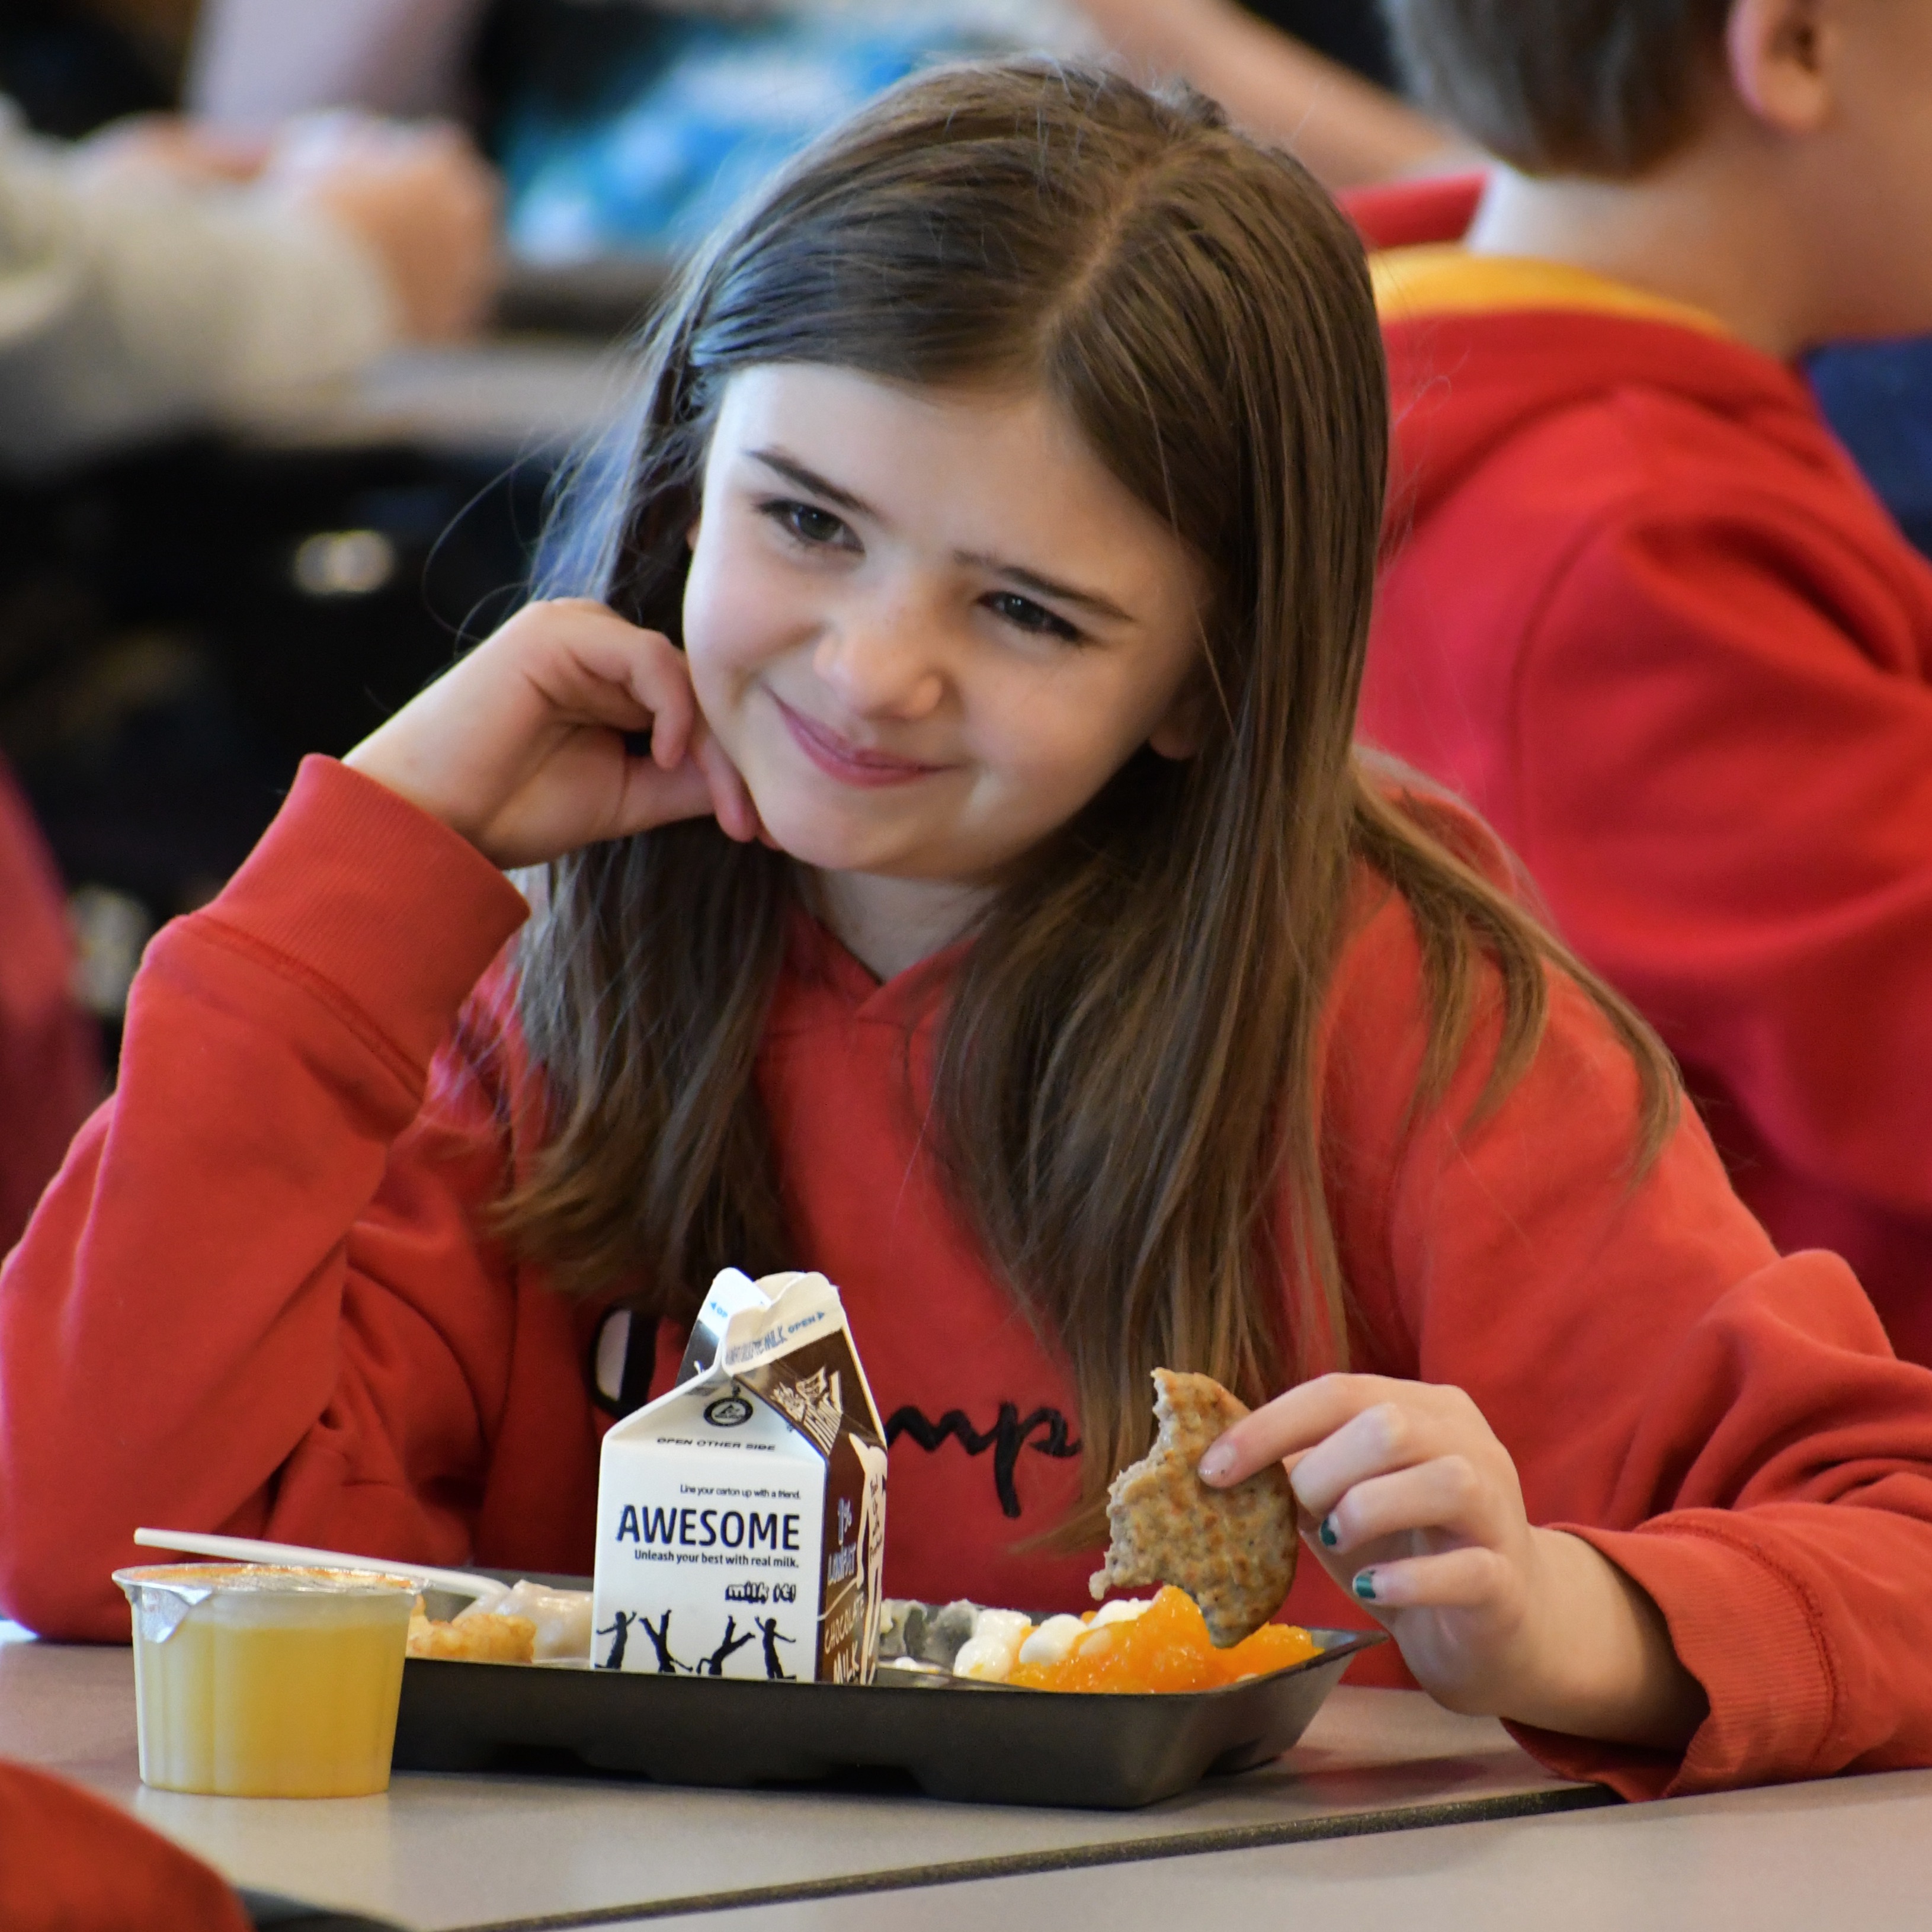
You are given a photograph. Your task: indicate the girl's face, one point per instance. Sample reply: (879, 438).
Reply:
(928, 626)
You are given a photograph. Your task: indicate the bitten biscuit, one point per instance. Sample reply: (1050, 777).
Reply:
(1233, 1551)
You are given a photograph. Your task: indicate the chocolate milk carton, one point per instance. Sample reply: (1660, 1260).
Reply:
(741, 1518)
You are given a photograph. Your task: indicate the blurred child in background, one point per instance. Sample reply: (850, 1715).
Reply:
(1644, 614)
(153, 278)
(156, 276)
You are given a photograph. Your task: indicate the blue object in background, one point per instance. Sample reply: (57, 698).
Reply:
(1878, 398)
(692, 117)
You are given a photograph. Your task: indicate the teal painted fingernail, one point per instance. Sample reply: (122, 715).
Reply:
(1328, 1532)
(1365, 1585)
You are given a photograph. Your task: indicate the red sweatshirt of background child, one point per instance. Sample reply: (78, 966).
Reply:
(49, 1068)
(1644, 614)
(262, 1298)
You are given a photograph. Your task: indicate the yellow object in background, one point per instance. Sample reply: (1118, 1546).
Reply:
(253, 1682)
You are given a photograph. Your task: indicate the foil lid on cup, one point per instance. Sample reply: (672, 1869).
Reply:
(159, 1606)
(162, 1594)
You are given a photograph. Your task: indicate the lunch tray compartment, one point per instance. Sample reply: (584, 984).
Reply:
(986, 1744)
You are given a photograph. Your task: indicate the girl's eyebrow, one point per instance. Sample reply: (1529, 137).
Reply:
(1046, 586)
(797, 474)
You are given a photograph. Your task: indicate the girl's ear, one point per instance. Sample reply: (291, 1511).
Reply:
(1183, 731)
(1781, 55)
(691, 534)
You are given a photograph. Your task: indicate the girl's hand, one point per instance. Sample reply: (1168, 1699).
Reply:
(1414, 1506)
(521, 747)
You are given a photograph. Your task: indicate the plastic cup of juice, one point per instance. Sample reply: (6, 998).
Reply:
(252, 1681)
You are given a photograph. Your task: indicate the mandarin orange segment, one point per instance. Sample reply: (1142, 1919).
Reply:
(1166, 1648)
(1272, 1647)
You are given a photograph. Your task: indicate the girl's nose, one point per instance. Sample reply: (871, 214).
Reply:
(883, 665)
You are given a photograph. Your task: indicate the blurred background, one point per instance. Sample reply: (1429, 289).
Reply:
(303, 302)
(302, 305)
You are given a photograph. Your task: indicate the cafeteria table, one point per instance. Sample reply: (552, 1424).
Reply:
(1855, 1852)
(1336, 1827)
(503, 399)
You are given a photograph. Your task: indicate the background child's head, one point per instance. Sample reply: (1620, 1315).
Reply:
(1606, 88)
(1811, 112)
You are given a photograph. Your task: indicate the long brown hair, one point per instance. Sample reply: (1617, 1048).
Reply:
(1125, 1072)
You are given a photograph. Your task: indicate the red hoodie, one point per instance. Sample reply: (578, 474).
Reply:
(1644, 615)
(259, 1299)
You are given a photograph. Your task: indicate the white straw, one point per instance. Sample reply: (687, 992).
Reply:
(248, 1550)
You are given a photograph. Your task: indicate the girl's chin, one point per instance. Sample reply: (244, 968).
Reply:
(806, 837)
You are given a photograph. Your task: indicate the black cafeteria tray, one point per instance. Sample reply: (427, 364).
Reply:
(986, 1744)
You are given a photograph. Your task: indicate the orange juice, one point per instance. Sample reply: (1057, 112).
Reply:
(254, 1681)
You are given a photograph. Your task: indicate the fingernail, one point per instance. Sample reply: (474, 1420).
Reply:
(1328, 1533)
(1216, 1464)
(1365, 1585)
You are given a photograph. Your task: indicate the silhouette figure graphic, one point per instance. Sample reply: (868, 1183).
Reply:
(620, 1633)
(659, 1633)
(768, 1627)
(713, 1665)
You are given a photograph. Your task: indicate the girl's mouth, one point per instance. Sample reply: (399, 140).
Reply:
(839, 758)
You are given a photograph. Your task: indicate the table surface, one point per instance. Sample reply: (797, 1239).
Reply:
(504, 398)
(1855, 1852)
(1329, 1836)
(446, 1852)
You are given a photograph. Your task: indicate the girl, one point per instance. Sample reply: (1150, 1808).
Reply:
(960, 880)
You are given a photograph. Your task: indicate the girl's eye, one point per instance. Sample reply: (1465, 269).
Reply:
(1024, 614)
(818, 528)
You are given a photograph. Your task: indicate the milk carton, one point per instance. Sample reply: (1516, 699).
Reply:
(741, 1518)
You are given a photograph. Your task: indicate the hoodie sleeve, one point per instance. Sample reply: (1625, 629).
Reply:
(1729, 1427)
(255, 1299)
